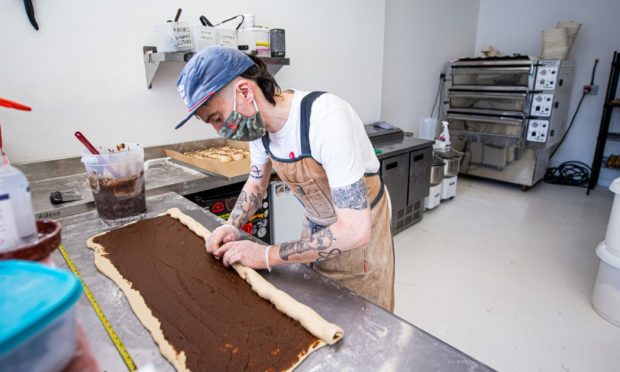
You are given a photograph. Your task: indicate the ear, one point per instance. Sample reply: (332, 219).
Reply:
(244, 88)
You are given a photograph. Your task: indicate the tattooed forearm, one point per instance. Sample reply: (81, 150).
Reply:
(245, 207)
(352, 196)
(288, 249)
(318, 242)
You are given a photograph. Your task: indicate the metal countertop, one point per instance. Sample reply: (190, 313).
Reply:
(162, 175)
(393, 147)
(374, 338)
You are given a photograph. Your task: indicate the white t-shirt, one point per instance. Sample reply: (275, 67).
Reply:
(337, 140)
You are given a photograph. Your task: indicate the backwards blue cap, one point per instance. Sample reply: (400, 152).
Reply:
(206, 73)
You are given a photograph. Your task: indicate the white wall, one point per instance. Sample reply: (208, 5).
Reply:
(83, 70)
(516, 26)
(420, 37)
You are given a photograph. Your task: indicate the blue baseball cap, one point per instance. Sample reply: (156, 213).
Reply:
(206, 73)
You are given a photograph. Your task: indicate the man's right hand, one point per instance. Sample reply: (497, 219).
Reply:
(222, 235)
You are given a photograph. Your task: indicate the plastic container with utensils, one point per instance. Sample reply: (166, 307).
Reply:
(117, 181)
(173, 37)
(38, 327)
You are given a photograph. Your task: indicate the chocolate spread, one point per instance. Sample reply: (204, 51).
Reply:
(205, 309)
(118, 197)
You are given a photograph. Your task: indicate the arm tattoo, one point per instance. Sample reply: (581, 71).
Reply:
(327, 255)
(353, 196)
(244, 208)
(256, 172)
(320, 242)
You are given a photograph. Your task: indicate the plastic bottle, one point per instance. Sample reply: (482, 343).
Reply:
(17, 222)
(445, 133)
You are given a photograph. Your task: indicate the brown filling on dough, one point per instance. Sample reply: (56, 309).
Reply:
(205, 309)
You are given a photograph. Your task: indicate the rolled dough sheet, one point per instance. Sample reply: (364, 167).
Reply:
(199, 324)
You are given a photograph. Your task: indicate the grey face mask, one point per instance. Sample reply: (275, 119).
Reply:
(242, 128)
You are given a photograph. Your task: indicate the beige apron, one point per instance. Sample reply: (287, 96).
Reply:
(369, 270)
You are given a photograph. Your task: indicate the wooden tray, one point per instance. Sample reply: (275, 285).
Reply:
(230, 169)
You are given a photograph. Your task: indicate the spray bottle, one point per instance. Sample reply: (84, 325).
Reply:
(443, 143)
(17, 222)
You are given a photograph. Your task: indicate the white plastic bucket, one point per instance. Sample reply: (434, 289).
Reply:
(173, 37)
(606, 295)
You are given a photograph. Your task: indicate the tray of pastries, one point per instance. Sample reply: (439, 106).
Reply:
(228, 159)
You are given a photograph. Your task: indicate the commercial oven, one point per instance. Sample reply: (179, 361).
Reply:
(507, 114)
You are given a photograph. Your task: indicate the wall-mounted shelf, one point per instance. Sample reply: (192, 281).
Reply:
(152, 59)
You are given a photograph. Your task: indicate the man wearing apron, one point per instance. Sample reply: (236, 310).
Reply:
(317, 145)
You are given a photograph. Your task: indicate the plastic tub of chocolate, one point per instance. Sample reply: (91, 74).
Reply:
(117, 181)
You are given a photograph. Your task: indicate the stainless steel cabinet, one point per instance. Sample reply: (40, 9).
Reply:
(407, 177)
(419, 174)
(395, 174)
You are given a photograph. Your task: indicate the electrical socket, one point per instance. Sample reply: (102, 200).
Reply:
(590, 89)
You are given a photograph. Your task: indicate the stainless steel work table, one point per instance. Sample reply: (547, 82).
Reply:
(374, 339)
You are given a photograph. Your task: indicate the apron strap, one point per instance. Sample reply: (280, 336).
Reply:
(306, 110)
(379, 194)
(304, 130)
(381, 189)
(266, 143)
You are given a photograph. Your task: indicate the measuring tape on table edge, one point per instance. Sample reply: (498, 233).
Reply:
(104, 320)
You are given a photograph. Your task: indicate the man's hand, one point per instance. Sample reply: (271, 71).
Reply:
(222, 235)
(245, 252)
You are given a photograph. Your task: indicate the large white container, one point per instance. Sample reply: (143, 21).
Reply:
(606, 295)
(612, 238)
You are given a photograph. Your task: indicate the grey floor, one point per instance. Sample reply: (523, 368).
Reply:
(506, 276)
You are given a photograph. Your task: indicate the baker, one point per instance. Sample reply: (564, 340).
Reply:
(317, 145)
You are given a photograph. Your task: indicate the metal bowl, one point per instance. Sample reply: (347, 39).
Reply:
(451, 168)
(437, 171)
(452, 159)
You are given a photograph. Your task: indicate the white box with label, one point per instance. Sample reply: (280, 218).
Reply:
(173, 37)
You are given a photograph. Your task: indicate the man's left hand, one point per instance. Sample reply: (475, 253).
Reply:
(245, 252)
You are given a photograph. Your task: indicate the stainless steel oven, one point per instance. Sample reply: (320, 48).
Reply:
(507, 114)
